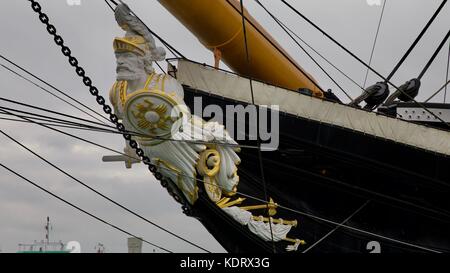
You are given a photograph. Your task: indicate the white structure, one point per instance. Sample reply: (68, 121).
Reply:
(134, 245)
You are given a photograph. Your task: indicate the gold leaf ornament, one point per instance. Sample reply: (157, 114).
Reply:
(209, 166)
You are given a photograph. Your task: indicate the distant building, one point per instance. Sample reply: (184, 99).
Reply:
(134, 245)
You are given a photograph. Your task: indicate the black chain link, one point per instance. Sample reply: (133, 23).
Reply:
(51, 29)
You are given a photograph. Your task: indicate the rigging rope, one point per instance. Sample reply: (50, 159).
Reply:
(438, 91)
(44, 18)
(49, 92)
(413, 45)
(431, 61)
(160, 68)
(157, 63)
(436, 52)
(172, 50)
(80, 209)
(49, 124)
(318, 53)
(109, 126)
(337, 227)
(95, 144)
(54, 121)
(375, 42)
(51, 29)
(302, 48)
(51, 86)
(53, 112)
(93, 90)
(256, 198)
(331, 38)
(65, 133)
(261, 166)
(359, 230)
(277, 48)
(323, 57)
(446, 75)
(362, 62)
(361, 191)
(101, 194)
(51, 121)
(113, 130)
(66, 51)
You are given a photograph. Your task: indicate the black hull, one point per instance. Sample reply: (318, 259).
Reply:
(325, 173)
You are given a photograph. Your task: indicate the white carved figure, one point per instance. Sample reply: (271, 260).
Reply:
(152, 105)
(257, 226)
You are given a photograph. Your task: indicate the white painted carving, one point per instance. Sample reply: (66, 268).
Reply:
(177, 160)
(260, 228)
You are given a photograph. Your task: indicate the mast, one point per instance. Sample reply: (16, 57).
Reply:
(47, 233)
(218, 26)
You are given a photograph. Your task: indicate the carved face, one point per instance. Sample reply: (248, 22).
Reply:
(130, 66)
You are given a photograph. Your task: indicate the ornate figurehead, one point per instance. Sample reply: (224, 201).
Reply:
(136, 52)
(183, 147)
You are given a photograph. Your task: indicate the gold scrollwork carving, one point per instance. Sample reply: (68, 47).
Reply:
(209, 163)
(209, 166)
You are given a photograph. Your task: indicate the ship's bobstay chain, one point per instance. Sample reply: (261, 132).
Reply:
(243, 194)
(96, 191)
(253, 197)
(92, 89)
(106, 108)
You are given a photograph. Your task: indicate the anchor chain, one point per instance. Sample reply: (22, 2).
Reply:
(65, 50)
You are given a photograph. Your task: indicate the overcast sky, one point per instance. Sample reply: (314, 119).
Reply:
(88, 30)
